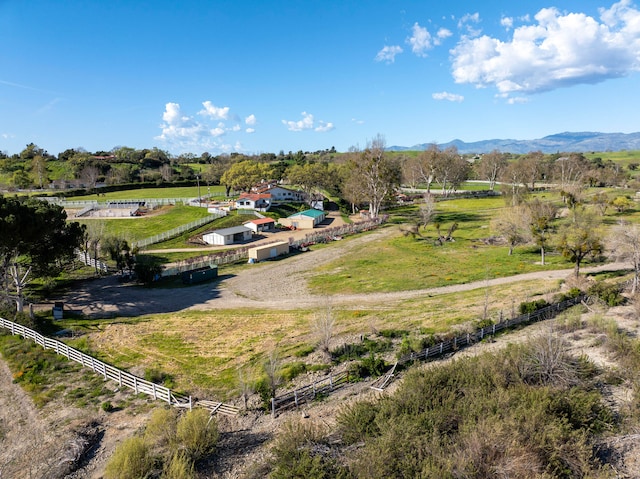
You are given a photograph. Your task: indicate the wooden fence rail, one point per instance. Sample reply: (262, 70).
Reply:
(328, 385)
(123, 378)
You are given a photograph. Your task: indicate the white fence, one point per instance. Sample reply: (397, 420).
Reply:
(138, 385)
(178, 231)
(96, 263)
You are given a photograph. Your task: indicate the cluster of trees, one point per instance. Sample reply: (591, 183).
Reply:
(366, 177)
(36, 240)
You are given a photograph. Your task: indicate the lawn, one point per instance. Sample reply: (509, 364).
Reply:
(135, 229)
(155, 193)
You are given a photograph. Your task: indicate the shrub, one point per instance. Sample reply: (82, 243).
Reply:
(609, 293)
(161, 428)
(291, 370)
(131, 460)
(197, 433)
(532, 306)
(300, 451)
(156, 376)
(357, 421)
(179, 467)
(107, 406)
(369, 366)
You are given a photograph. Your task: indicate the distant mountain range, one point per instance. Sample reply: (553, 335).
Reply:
(567, 142)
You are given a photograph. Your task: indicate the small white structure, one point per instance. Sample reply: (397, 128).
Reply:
(236, 234)
(261, 224)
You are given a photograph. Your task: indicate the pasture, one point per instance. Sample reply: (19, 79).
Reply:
(201, 350)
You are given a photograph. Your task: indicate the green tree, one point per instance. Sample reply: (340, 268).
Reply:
(21, 179)
(35, 238)
(243, 175)
(540, 219)
(39, 170)
(580, 238)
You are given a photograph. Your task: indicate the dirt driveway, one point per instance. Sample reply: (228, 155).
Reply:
(273, 285)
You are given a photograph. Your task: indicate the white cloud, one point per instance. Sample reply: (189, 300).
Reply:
(308, 123)
(507, 22)
(213, 111)
(447, 96)
(468, 22)
(250, 130)
(557, 50)
(357, 122)
(250, 120)
(178, 127)
(183, 132)
(420, 40)
(388, 54)
(517, 99)
(324, 126)
(441, 35)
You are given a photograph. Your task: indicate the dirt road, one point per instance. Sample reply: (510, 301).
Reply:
(273, 285)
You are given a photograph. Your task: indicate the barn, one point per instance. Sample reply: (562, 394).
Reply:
(236, 234)
(307, 219)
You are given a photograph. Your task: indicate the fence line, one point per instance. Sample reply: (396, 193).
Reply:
(328, 385)
(240, 254)
(172, 233)
(123, 378)
(96, 263)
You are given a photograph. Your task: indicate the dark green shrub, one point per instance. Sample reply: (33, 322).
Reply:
(351, 351)
(357, 421)
(609, 293)
(532, 306)
(158, 377)
(291, 370)
(107, 406)
(368, 366)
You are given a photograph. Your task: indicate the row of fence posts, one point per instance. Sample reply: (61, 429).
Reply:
(293, 398)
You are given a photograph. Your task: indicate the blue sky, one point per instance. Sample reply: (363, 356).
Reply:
(265, 76)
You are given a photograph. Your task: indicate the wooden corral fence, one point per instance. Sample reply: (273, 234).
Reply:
(328, 385)
(123, 378)
(309, 392)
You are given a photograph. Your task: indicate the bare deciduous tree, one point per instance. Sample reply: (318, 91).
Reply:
(323, 327)
(272, 366)
(624, 245)
(511, 224)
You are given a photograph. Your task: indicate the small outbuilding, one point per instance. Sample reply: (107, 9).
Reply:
(236, 234)
(199, 275)
(267, 251)
(307, 219)
(260, 225)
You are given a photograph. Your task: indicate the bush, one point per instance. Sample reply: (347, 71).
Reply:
(369, 366)
(300, 451)
(107, 406)
(532, 306)
(161, 428)
(131, 460)
(609, 293)
(357, 421)
(179, 467)
(197, 433)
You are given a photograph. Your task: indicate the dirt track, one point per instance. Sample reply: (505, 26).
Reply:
(273, 285)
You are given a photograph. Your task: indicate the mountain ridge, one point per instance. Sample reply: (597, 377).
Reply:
(565, 142)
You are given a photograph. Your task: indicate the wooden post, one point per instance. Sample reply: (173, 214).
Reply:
(273, 408)
(295, 397)
(153, 388)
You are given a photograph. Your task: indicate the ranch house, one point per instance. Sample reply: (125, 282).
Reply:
(254, 201)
